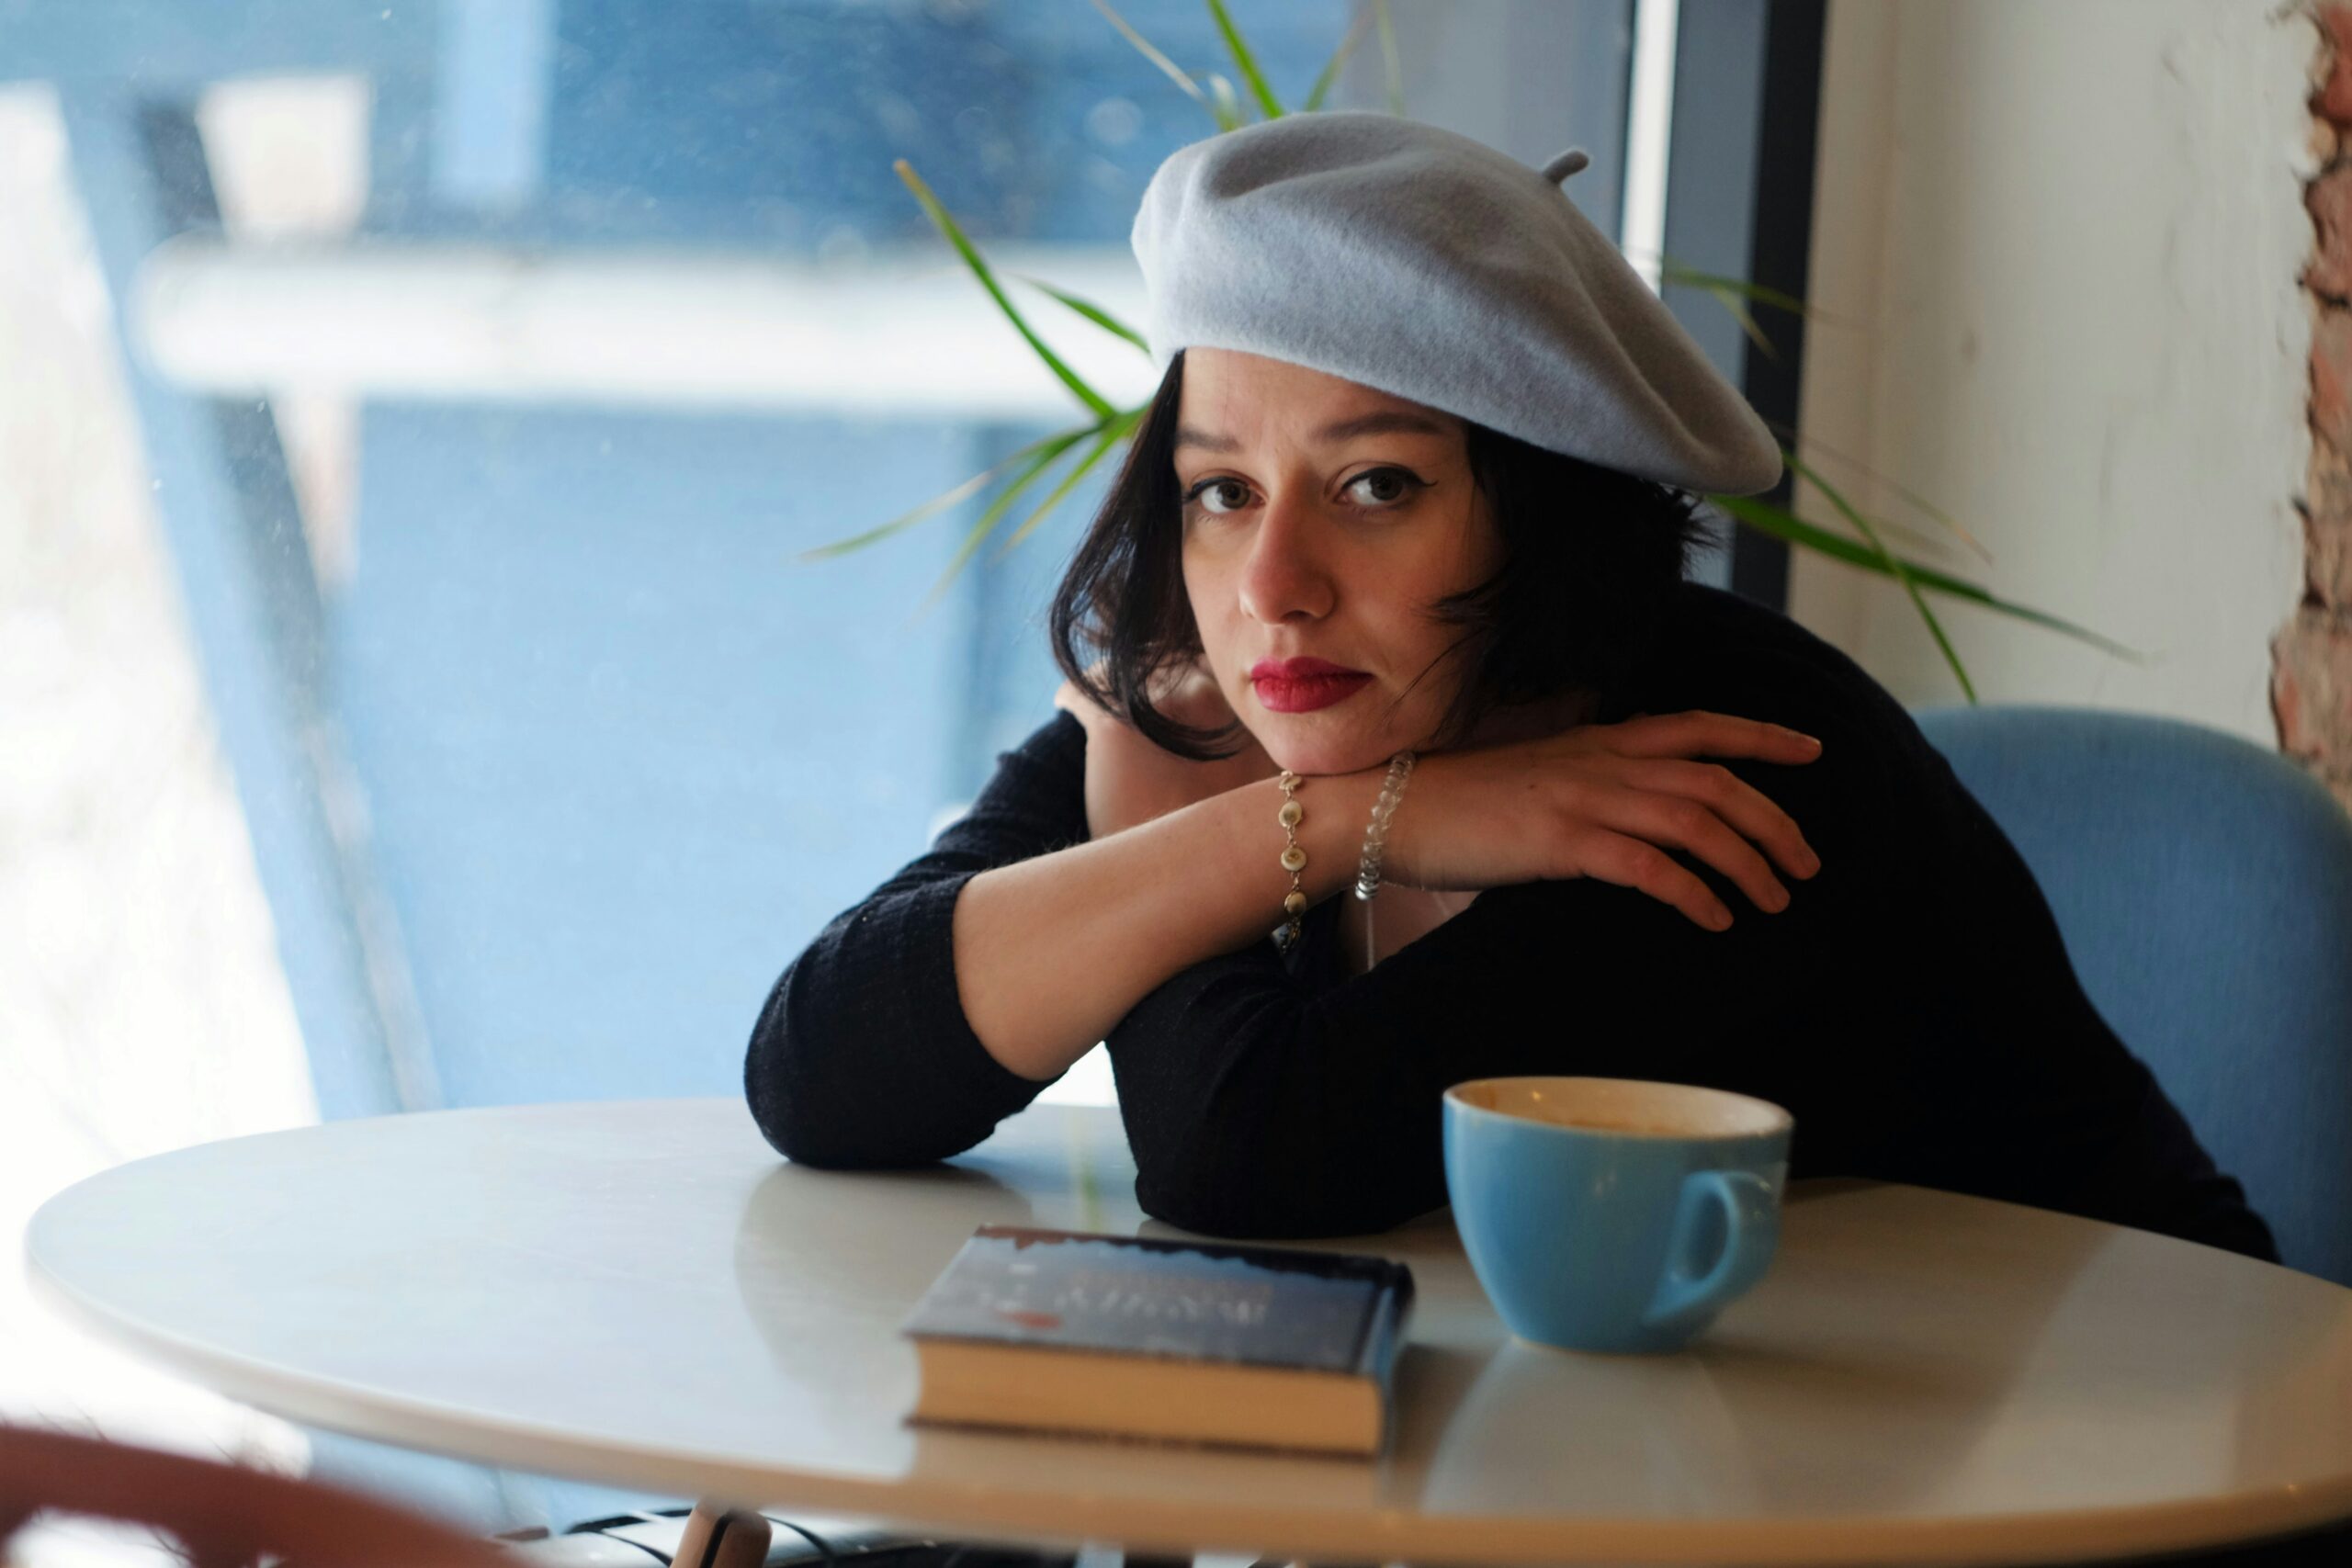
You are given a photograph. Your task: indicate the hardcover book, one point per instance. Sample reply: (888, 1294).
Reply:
(1175, 1340)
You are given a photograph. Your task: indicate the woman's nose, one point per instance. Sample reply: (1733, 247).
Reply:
(1284, 577)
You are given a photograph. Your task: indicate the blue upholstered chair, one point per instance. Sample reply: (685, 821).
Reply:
(2204, 887)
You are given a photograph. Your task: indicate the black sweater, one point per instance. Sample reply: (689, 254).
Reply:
(1912, 1007)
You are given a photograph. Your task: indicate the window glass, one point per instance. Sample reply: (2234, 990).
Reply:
(419, 691)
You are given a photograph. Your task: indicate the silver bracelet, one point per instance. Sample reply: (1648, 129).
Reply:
(1375, 837)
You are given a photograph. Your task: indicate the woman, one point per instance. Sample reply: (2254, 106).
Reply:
(1403, 533)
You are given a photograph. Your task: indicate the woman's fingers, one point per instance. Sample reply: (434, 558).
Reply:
(1671, 820)
(1755, 814)
(1698, 732)
(1632, 862)
(1622, 803)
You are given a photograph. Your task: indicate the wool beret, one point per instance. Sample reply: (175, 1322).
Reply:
(1424, 264)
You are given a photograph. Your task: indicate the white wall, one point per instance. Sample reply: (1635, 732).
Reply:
(2063, 240)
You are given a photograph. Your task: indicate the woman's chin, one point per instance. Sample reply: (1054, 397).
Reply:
(1344, 738)
(1309, 754)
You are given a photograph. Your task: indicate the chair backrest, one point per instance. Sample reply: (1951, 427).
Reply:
(2204, 888)
(223, 1516)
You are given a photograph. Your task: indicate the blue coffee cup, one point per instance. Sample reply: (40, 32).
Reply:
(1613, 1214)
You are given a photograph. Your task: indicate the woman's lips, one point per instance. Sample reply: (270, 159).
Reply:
(1302, 685)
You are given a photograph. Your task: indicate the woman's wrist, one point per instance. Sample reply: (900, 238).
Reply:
(1052, 949)
(1332, 811)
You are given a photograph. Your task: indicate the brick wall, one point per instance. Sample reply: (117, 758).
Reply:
(2311, 682)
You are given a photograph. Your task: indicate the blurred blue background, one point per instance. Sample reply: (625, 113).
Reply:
(547, 785)
(550, 748)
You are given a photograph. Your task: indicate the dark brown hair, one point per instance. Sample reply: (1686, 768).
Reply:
(1590, 557)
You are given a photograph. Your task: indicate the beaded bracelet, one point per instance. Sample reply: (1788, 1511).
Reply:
(1375, 837)
(1293, 862)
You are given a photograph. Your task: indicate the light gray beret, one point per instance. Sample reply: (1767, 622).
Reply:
(1427, 264)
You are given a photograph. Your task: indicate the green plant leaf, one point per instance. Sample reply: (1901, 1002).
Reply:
(1245, 62)
(1907, 538)
(1893, 564)
(1672, 271)
(1732, 293)
(1094, 313)
(948, 226)
(1332, 67)
(1388, 54)
(1731, 302)
(906, 519)
(1173, 70)
(1938, 513)
(1780, 523)
(1112, 435)
(1224, 104)
(1788, 434)
(1729, 292)
(1053, 447)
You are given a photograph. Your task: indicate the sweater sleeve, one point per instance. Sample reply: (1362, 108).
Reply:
(862, 1057)
(1911, 1006)
(1261, 1104)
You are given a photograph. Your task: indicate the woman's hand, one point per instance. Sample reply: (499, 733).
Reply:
(1130, 779)
(1608, 801)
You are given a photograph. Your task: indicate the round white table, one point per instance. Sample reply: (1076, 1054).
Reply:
(646, 1294)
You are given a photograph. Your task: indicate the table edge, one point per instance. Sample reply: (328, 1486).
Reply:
(1385, 1536)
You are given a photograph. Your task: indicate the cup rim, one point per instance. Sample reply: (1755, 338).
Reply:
(1782, 1121)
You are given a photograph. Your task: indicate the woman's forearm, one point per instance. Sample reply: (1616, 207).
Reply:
(1051, 951)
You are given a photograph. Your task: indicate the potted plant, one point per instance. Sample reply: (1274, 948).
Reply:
(1102, 425)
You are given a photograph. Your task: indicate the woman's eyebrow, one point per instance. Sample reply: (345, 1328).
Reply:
(1386, 421)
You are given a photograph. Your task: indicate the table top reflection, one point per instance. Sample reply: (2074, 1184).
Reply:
(645, 1294)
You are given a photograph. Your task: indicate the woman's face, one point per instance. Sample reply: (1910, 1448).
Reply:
(1322, 519)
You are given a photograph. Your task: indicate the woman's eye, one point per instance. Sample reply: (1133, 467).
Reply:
(1403, 484)
(1393, 485)
(1200, 489)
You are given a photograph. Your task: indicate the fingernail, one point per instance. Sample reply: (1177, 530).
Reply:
(1720, 920)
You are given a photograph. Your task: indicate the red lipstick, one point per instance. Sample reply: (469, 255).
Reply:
(1302, 685)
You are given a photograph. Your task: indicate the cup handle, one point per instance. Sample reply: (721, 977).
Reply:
(1751, 1231)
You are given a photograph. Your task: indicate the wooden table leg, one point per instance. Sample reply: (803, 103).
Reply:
(718, 1536)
